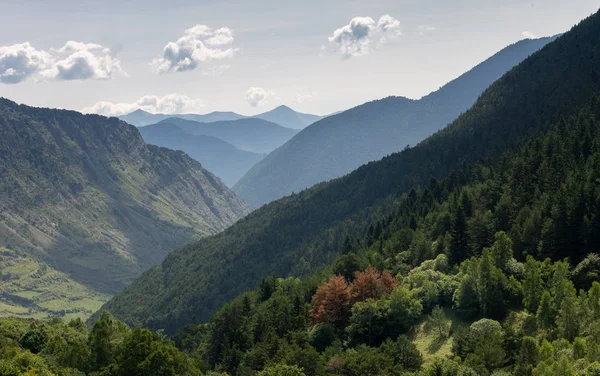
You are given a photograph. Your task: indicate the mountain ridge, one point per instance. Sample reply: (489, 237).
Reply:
(248, 134)
(216, 155)
(300, 233)
(340, 143)
(282, 115)
(87, 196)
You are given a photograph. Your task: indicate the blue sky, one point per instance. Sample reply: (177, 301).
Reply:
(250, 56)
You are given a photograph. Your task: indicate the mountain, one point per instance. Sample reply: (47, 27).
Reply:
(286, 117)
(300, 233)
(140, 118)
(253, 135)
(282, 115)
(223, 159)
(340, 143)
(86, 206)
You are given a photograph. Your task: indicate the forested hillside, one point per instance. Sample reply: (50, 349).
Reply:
(219, 157)
(84, 201)
(338, 144)
(550, 96)
(51, 348)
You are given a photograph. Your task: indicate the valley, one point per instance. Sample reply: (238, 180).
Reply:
(454, 233)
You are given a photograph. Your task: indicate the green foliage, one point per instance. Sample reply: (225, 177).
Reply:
(530, 141)
(281, 370)
(439, 322)
(110, 348)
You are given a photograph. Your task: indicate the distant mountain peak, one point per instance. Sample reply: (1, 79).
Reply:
(283, 107)
(288, 117)
(139, 111)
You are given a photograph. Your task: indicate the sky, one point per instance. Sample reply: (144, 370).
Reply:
(249, 56)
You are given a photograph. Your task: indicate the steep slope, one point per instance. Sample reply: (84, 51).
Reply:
(340, 143)
(140, 118)
(254, 135)
(87, 196)
(299, 233)
(286, 117)
(223, 159)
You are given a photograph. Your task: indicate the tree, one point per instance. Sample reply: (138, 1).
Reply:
(331, 301)
(502, 250)
(561, 285)
(528, 357)
(366, 361)
(490, 282)
(403, 352)
(101, 347)
(568, 318)
(486, 344)
(420, 249)
(439, 322)
(459, 238)
(371, 284)
(533, 285)
(347, 265)
(594, 301)
(281, 370)
(545, 312)
(369, 322)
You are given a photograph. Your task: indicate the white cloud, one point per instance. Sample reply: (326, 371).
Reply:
(528, 35)
(306, 97)
(83, 61)
(425, 29)
(356, 38)
(256, 96)
(73, 61)
(21, 61)
(198, 44)
(168, 104)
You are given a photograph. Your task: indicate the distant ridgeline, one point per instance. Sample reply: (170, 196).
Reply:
(282, 115)
(338, 144)
(226, 144)
(86, 206)
(523, 160)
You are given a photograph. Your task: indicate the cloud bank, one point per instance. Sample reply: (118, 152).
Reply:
(73, 61)
(357, 38)
(198, 44)
(167, 104)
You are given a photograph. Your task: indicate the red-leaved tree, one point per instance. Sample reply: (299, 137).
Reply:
(331, 301)
(372, 284)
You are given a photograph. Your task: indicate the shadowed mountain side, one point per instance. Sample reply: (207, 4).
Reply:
(86, 195)
(254, 135)
(216, 155)
(340, 143)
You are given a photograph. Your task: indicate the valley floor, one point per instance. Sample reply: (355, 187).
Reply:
(32, 289)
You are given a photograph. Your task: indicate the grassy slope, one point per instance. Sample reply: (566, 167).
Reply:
(31, 288)
(87, 197)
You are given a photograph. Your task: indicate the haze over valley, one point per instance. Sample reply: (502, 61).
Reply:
(299, 189)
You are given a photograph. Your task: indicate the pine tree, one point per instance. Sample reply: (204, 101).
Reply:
(533, 285)
(545, 312)
(459, 241)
